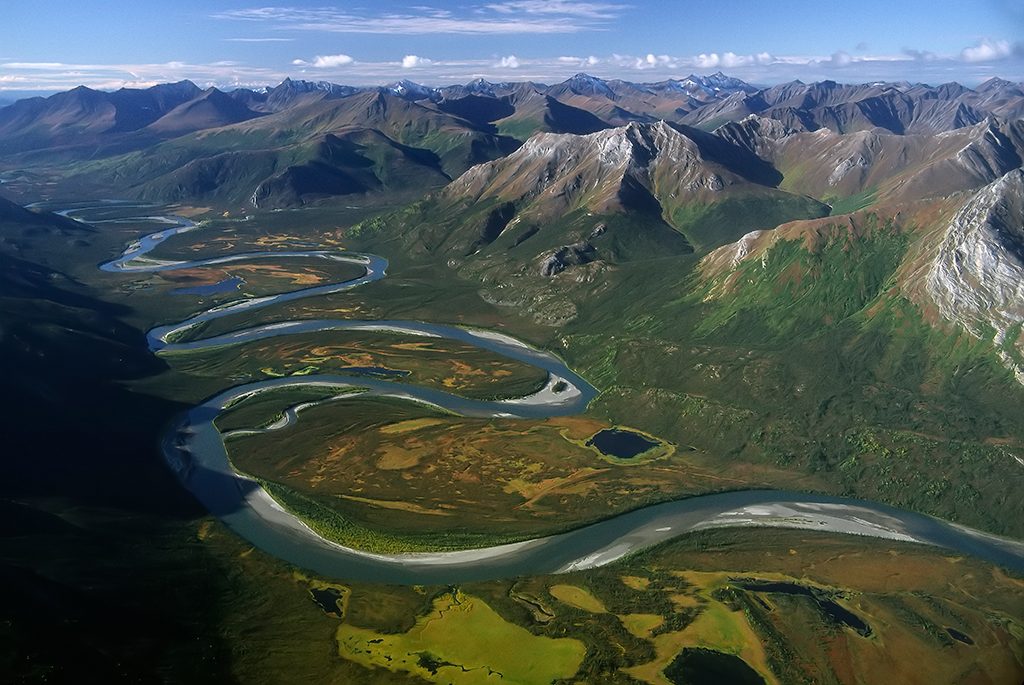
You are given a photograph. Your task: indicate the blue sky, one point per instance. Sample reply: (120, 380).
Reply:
(50, 45)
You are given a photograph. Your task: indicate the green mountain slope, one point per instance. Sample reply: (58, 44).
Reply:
(367, 143)
(808, 348)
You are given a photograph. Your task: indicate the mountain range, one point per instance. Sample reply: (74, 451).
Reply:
(304, 142)
(516, 184)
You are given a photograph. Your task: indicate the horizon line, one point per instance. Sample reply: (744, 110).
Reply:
(440, 85)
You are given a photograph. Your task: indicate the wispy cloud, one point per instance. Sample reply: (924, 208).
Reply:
(54, 76)
(589, 10)
(511, 17)
(259, 40)
(970, 66)
(581, 62)
(922, 55)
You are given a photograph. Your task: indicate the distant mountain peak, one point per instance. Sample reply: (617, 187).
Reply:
(482, 85)
(410, 89)
(995, 83)
(304, 86)
(714, 84)
(585, 84)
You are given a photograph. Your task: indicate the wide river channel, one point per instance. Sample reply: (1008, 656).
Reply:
(195, 450)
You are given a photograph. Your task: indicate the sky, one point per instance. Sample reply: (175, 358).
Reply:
(52, 45)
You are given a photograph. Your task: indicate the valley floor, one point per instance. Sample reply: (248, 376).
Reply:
(777, 606)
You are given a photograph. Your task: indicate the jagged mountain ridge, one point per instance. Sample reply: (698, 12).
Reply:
(977, 276)
(896, 107)
(177, 142)
(707, 101)
(894, 167)
(570, 207)
(553, 174)
(83, 115)
(556, 184)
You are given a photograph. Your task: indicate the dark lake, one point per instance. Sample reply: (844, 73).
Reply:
(623, 444)
(698, 666)
(327, 599)
(827, 605)
(960, 637)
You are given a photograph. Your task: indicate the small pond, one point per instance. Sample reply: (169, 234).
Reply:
(620, 443)
(327, 599)
(960, 637)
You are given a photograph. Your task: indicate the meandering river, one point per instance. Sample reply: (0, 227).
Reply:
(195, 450)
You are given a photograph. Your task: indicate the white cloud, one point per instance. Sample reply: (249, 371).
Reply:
(332, 61)
(413, 61)
(652, 61)
(707, 61)
(987, 51)
(509, 62)
(730, 60)
(840, 59)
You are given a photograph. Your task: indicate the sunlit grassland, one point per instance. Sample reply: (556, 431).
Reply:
(634, 616)
(674, 593)
(384, 475)
(438, 647)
